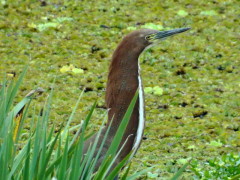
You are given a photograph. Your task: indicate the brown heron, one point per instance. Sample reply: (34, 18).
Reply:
(123, 81)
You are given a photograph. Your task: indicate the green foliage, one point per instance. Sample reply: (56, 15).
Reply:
(180, 171)
(198, 70)
(226, 167)
(56, 23)
(45, 155)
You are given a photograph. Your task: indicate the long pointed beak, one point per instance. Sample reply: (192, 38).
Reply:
(164, 34)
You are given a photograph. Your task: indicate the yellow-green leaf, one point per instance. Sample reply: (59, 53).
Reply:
(65, 69)
(216, 143)
(77, 71)
(182, 13)
(148, 90)
(209, 13)
(157, 91)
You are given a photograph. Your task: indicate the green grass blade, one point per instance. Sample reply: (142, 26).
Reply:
(42, 158)
(36, 150)
(22, 122)
(116, 170)
(3, 105)
(104, 166)
(48, 155)
(6, 155)
(63, 164)
(236, 177)
(137, 174)
(27, 162)
(91, 170)
(180, 172)
(15, 88)
(116, 156)
(124, 177)
(119, 134)
(81, 142)
(75, 164)
(66, 129)
(51, 134)
(18, 160)
(84, 167)
(89, 167)
(71, 150)
(58, 157)
(14, 112)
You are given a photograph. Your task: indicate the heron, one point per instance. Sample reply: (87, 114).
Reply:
(124, 80)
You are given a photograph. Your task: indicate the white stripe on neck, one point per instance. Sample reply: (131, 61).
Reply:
(140, 129)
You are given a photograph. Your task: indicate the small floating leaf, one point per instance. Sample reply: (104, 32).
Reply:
(152, 26)
(182, 13)
(148, 90)
(182, 161)
(131, 28)
(216, 143)
(157, 91)
(77, 71)
(42, 27)
(152, 175)
(62, 19)
(191, 147)
(209, 13)
(71, 69)
(64, 69)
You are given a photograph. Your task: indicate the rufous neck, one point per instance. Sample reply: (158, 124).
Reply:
(122, 83)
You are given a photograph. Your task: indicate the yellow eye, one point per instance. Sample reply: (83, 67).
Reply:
(148, 37)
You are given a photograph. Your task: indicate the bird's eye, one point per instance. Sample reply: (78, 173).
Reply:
(148, 37)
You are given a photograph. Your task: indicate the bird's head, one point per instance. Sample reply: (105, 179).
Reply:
(144, 38)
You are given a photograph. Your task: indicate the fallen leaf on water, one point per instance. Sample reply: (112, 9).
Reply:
(216, 143)
(182, 13)
(156, 90)
(209, 13)
(71, 69)
(77, 71)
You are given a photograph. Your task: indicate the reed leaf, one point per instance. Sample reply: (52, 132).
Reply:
(46, 154)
